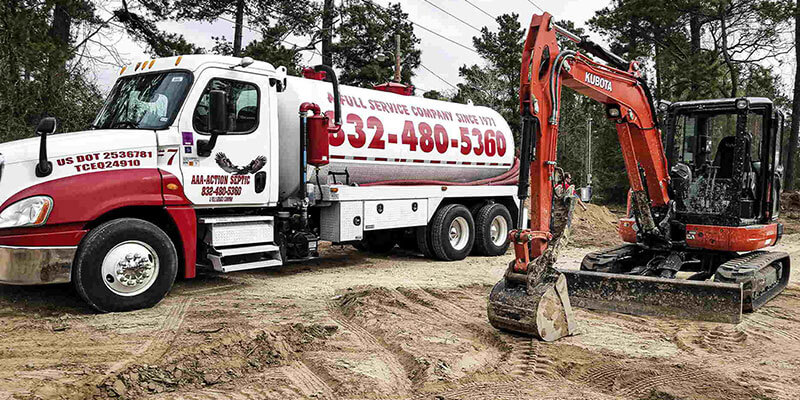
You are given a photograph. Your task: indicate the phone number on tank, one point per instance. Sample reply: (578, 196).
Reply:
(420, 136)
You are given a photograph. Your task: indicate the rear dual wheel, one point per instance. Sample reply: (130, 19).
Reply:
(492, 222)
(452, 233)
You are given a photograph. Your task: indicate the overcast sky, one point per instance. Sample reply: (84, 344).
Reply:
(442, 57)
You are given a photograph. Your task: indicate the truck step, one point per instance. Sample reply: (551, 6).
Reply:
(235, 219)
(245, 257)
(237, 251)
(250, 265)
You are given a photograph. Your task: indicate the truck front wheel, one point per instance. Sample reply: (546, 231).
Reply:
(125, 264)
(452, 232)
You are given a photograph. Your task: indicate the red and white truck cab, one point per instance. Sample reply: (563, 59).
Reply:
(230, 164)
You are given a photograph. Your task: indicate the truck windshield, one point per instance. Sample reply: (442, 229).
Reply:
(147, 101)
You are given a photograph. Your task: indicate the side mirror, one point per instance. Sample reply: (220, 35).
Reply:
(218, 112)
(47, 126)
(217, 121)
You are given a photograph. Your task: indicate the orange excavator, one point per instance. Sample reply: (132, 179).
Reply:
(698, 216)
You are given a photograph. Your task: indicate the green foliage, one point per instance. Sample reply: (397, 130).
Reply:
(435, 95)
(39, 73)
(142, 28)
(495, 84)
(364, 31)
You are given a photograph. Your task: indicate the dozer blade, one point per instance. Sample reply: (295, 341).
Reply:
(543, 312)
(644, 295)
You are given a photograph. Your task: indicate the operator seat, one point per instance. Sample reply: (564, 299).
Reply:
(726, 157)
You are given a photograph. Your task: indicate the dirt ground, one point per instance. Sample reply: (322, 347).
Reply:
(356, 326)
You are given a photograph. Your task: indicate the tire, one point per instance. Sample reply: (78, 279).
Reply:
(113, 243)
(424, 242)
(449, 218)
(381, 242)
(490, 221)
(408, 240)
(360, 245)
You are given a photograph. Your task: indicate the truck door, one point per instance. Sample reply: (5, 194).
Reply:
(236, 171)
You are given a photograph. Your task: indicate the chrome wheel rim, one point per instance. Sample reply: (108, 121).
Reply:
(130, 268)
(498, 231)
(459, 233)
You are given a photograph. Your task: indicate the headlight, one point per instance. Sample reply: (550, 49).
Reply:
(32, 211)
(742, 104)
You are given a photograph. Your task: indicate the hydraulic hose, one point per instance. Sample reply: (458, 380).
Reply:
(502, 179)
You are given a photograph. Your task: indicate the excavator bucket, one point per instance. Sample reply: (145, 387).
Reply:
(543, 311)
(537, 303)
(646, 295)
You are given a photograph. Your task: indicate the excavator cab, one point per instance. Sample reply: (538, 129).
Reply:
(724, 160)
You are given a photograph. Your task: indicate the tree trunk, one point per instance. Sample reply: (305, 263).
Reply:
(694, 43)
(791, 152)
(327, 32)
(728, 61)
(61, 25)
(237, 34)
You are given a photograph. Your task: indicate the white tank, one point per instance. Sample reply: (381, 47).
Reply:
(387, 136)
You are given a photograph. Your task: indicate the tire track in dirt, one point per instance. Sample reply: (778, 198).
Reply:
(761, 321)
(309, 383)
(647, 385)
(602, 376)
(212, 290)
(775, 391)
(392, 356)
(527, 362)
(160, 340)
(719, 339)
(499, 389)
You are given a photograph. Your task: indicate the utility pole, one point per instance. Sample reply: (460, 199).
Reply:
(237, 33)
(589, 155)
(397, 65)
(327, 32)
(791, 156)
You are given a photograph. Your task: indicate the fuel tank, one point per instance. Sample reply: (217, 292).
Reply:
(387, 136)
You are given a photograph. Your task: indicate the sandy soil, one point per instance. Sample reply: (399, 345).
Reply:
(358, 326)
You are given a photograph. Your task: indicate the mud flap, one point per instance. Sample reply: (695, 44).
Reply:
(544, 311)
(644, 295)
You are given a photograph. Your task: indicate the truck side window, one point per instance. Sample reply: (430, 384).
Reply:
(243, 106)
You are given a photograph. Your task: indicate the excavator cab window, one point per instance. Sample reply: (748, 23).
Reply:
(716, 160)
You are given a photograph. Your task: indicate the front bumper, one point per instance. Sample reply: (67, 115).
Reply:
(36, 265)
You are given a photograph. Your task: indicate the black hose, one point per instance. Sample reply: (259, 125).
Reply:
(530, 130)
(337, 104)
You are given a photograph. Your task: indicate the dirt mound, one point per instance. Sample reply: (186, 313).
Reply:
(790, 201)
(790, 212)
(594, 227)
(224, 361)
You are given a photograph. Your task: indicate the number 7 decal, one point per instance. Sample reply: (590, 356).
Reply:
(172, 158)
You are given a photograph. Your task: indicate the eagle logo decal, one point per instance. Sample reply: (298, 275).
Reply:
(225, 163)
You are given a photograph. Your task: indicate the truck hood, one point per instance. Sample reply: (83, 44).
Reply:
(74, 154)
(76, 143)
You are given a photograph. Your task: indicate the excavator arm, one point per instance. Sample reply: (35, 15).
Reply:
(618, 85)
(533, 297)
